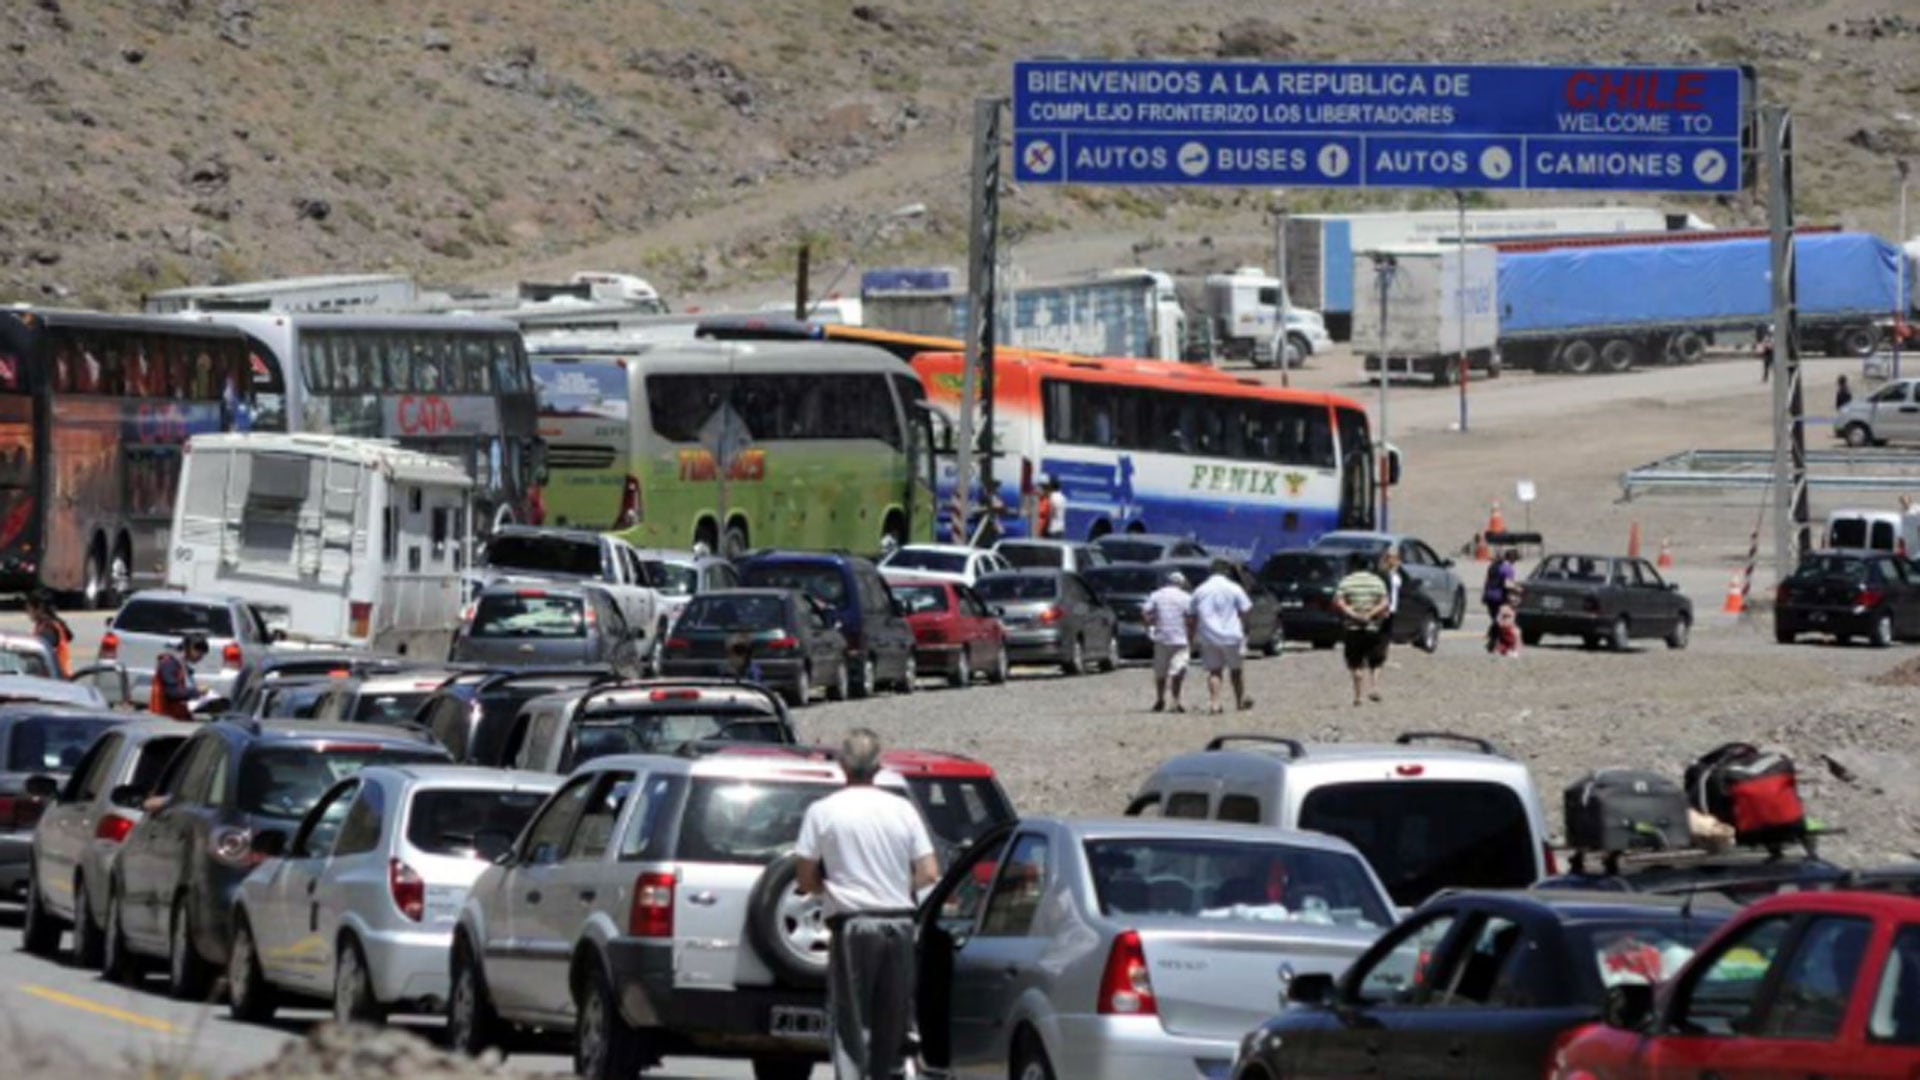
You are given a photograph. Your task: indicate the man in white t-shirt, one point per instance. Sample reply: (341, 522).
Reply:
(866, 852)
(1168, 611)
(1056, 509)
(1218, 605)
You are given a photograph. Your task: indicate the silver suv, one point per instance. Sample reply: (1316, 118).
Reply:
(651, 907)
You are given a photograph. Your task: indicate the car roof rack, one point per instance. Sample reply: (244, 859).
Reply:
(1482, 745)
(1294, 747)
(599, 673)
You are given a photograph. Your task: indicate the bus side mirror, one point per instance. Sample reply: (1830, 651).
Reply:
(1393, 465)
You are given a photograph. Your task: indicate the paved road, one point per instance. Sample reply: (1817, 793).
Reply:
(45, 1003)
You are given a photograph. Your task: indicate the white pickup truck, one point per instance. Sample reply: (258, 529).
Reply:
(529, 553)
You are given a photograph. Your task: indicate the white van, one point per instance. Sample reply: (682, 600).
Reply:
(1874, 530)
(338, 540)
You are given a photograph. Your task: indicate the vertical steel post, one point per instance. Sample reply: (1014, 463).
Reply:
(1285, 310)
(1383, 271)
(977, 379)
(1902, 306)
(800, 283)
(1789, 431)
(1466, 364)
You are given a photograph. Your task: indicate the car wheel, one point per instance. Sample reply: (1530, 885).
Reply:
(39, 930)
(1857, 435)
(782, 1068)
(962, 672)
(353, 1000)
(788, 929)
(1619, 638)
(1530, 637)
(1458, 617)
(1276, 641)
(188, 977)
(801, 691)
(1111, 662)
(1682, 630)
(837, 690)
(864, 679)
(1030, 1060)
(1076, 661)
(1784, 636)
(1428, 640)
(910, 675)
(1323, 646)
(89, 939)
(117, 963)
(249, 998)
(1002, 668)
(471, 1022)
(605, 1047)
(1882, 635)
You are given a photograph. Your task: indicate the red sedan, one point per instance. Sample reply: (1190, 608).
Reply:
(1798, 985)
(953, 632)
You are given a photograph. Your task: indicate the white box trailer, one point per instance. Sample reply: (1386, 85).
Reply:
(321, 292)
(1435, 311)
(344, 541)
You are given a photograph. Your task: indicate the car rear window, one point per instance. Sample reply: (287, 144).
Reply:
(529, 615)
(824, 583)
(734, 613)
(298, 702)
(959, 809)
(1306, 569)
(44, 744)
(1831, 568)
(154, 755)
(284, 781)
(744, 821)
(665, 731)
(672, 579)
(24, 663)
(1125, 579)
(1425, 835)
(1371, 545)
(1250, 881)
(398, 708)
(946, 562)
(921, 599)
(173, 618)
(452, 821)
(1133, 551)
(1018, 587)
(545, 554)
(1032, 556)
(1646, 952)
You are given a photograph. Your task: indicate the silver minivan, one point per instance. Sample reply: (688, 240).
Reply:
(1891, 412)
(358, 903)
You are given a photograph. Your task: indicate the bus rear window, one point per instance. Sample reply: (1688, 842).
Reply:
(586, 388)
(516, 616)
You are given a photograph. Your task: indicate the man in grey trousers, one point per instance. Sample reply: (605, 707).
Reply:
(867, 852)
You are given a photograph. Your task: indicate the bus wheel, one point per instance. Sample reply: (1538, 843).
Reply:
(93, 594)
(894, 533)
(706, 536)
(120, 572)
(736, 543)
(1100, 529)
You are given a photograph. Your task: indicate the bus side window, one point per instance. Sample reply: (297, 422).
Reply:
(390, 535)
(440, 533)
(397, 361)
(473, 354)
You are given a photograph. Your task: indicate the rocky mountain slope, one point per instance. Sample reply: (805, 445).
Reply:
(153, 143)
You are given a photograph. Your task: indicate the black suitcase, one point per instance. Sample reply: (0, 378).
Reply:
(1626, 810)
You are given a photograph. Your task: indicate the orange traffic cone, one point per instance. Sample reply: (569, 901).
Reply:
(1665, 561)
(1735, 602)
(1481, 552)
(1496, 523)
(1633, 541)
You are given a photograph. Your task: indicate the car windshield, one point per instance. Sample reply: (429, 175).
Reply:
(1647, 951)
(958, 809)
(1125, 579)
(24, 663)
(1371, 545)
(173, 619)
(1032, 556)
(921, 599)
(1018, 587)
(1290, 567)
(545, 555)
(1133, 551)
(297, 702)
(665, 731)
(452, 821)
(397, 708)
(672, 578)
(723, 612)
(823, 583)
(529, 614)
(43, 744)
(285, 781)
(945, 562)
(744, 821)
(1247, 881)
(1429, 835)
(1831, 568)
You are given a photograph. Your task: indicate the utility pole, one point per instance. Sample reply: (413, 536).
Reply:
(1384, 268)
(800, 284)
(1789, 431)
(1902, 305)
(983, 226)
(1283, 314)
(1466, 365)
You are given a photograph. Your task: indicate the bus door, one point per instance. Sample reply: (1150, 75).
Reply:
(1357, 477)
(921, 461)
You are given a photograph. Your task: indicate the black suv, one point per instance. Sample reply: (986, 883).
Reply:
(879, 639)
(173, 886)
(473, 716)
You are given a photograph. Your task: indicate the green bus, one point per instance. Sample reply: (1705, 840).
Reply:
(828, 445)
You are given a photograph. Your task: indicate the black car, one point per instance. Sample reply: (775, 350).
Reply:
(1604, 600)
(37, 740)
(1846, 594)
(1052, 617)
(473, 716)
(1124, 587)
(1261, 624)
(173, 886)
(1303, 583)
(1148, 548)
(879, 640)
(1740, 876)
(793, 639)
(1480, 984)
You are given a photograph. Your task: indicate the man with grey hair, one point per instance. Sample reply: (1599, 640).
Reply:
(1168, 612)
(866, 852)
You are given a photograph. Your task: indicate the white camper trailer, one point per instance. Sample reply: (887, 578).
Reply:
(339, 540)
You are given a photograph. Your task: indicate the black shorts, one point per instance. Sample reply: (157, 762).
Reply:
(1366, 647)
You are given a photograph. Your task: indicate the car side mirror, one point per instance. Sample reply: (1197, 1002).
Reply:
(269, 843)
(277, 636)
(899, 608)
(1629, 1007)
(1314, 989)
(127, 796)
(1446, 564)
(43, 787)
(1673, 586)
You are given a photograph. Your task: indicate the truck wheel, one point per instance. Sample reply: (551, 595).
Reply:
(1301, 348)
(1579, 357)
(1857, 435)
(1686, 347)
(1859, 340)
(1447, 372)
(1618, 356)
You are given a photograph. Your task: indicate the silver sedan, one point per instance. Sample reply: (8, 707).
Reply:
(1130, 949)
(358, 904)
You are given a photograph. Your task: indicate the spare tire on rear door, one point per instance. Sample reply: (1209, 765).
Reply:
(788, 930)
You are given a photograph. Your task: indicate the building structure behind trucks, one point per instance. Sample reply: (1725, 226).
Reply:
(1441, 302)
(345, 541)
(1132, 312)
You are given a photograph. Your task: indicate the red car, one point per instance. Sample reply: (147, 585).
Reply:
(1798, 985)
(953, 632)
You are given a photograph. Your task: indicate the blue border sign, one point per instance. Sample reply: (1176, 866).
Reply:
(1378, 125)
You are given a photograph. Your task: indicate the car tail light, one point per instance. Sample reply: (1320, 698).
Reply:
(678, 644)
(1870, 596)
(531, 594)
(109, 646)
(674, 695)
(20, 811)
(536, 505)
(1782, 594)
(1409, 770)
(783, 643)
(231, 655)
(1052, 615)
(408, 888)
(1549, 859)
(652, 912)
(234, 847)
(359, 618)
(1125, 989)
(113, 829)
(1554, 1069)
(630, 504)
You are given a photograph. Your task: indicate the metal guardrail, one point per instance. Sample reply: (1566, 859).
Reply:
(1865, 469)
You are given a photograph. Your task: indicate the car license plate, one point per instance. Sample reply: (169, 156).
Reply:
(797, 1022)
(1551, 603)
(1292, 605)
(1816, 616)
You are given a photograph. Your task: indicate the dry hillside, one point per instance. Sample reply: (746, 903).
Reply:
(152, 143)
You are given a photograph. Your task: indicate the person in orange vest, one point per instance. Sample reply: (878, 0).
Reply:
(174, 690)
(49, 627)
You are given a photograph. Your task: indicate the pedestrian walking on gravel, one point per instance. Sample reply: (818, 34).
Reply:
(1396, 580)
(1842, 395)
(1168, 612)
(174, 691)
(1361, 601)
(866, 853)
(1219, 606)
(1502, 587)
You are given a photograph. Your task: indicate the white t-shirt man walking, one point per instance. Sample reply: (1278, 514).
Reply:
(1218, 605)
(1168, 611)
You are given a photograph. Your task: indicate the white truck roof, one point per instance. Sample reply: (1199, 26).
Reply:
(384, 454)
